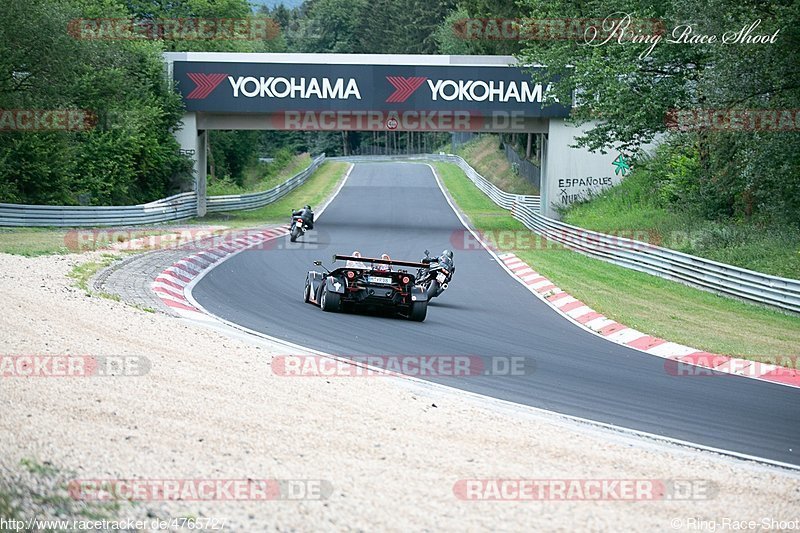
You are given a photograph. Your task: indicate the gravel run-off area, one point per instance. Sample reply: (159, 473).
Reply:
(390, 450)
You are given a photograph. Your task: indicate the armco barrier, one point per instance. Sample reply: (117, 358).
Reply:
(233, 202)
(774, 291)
(179, 207)
(703, 273)
(501, 198)
(527, 170)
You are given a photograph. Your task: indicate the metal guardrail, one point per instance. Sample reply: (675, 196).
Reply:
(233, 202)
(774, 291)
(530, 172)
(503, 199)
(783, 293)
(178, 207)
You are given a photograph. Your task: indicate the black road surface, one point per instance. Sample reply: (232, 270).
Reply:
(398, 208)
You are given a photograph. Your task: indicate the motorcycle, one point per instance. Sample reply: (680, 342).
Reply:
(298, 228)
(437, 276)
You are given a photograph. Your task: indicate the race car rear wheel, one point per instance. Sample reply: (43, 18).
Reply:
(307, 293)
(329, 301)
(418, 311)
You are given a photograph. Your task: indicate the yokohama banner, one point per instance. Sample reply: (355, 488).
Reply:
(227, 87)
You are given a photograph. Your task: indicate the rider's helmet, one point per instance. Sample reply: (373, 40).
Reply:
(307, 207)
(448, 254)
(383, 267)
(356, 253)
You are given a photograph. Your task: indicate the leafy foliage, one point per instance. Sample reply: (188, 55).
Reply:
(130, 156)
(626, 89)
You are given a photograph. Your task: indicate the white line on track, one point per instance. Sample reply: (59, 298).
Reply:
(224, 325)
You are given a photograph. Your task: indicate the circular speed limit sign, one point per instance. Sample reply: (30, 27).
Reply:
(391, 123)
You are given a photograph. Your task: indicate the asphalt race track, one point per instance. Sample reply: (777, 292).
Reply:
(398, 208)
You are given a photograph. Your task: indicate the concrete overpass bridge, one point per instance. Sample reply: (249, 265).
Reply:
(376, 92)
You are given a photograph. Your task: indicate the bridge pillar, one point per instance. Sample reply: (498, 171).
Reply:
(573, 174)
(200, 168)
(544, 180)
(194, 144)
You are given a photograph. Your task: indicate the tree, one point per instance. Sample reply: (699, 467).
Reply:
(130, 155)
(328, 26)
(629, 88)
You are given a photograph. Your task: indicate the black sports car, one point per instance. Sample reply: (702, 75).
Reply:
(381, 284)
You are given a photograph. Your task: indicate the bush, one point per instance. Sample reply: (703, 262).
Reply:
(666, 197)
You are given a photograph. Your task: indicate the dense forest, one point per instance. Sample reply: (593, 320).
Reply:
(130, 155)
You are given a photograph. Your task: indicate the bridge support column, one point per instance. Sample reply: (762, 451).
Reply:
(570, 174)
(194, 143)
(544, 179)
(200, 168)
(528, 147)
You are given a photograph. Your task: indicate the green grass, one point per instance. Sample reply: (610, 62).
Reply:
(630, 207)
(299, 163)
(48, 497)
(83, 272)
(260, 177)
(650, 304)
(314, 191)
(32, 242)
(484, 156)
(8, 508)
(35, 467)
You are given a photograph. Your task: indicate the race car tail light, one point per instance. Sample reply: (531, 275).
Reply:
(350, 274)
(405, 280)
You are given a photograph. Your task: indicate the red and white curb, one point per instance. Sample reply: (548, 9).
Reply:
(171, 283)
(679, 356)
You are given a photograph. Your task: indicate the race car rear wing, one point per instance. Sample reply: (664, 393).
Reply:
(374, 260)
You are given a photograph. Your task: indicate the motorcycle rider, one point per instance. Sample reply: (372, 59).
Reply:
(447, 259)
(307, 215)
(430, 276)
